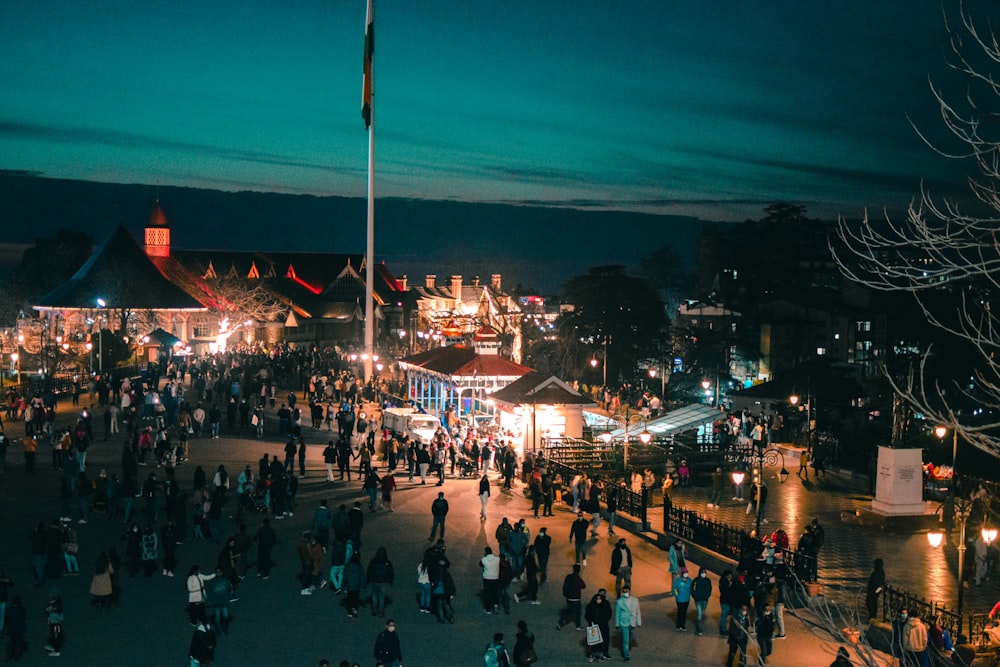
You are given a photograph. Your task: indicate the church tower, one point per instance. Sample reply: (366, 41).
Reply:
(157, 237)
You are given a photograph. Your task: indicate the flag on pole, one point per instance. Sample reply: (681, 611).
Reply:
(366, 91)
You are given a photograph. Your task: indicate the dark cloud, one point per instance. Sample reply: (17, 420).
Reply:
(12, 129)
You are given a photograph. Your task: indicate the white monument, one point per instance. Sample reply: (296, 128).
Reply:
(899, 486)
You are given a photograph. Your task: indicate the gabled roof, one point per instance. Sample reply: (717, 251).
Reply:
(536, 388)
(163, 338)
(460, 360)
(120, 273)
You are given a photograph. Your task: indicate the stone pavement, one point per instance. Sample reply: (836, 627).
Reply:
(274, 624)
(846, 558)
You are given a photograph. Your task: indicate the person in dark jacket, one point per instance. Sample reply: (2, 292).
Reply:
(765, 633)
(354, 579)
(843, 658)
(387, 649)
(701, 593)
(578, 536)
(599, 613)
(573, 586)
(16, 627)
(524, 646)
(203, 642)
(530, 591)
(265, 539)
(739, 627)
(380, 576)
(621, 565)
(876, 582)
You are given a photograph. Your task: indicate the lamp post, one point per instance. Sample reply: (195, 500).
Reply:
(963, 508)
(15, 359)
(101, 303)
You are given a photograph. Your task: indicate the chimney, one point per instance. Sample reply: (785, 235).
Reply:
(430, 280)
(456, 289)
(402, 282)
(495, 282)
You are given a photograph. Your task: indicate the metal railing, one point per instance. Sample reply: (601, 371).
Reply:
(894, 600)
(732, 543)
(629, 502)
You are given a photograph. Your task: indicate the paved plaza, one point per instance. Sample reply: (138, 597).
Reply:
(274, 625)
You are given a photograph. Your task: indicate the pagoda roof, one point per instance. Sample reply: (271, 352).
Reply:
(120, 272)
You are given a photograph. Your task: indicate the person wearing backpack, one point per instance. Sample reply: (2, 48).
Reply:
(496, 653)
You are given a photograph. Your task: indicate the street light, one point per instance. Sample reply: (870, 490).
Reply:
(101, 303)
(963, 508)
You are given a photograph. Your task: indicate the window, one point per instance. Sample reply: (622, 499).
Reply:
(820, 351)
(836, 336)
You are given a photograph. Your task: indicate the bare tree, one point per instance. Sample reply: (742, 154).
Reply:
(943, 248)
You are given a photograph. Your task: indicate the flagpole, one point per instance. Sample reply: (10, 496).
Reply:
(370, 248)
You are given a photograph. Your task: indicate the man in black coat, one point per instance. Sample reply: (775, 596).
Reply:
(621, 565)
(578, 536)
(387, 649)
(543, 547)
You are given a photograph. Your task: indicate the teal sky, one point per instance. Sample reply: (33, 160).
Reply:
(706, 108)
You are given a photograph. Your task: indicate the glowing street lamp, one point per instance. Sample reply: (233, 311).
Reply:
(989, 535)
(738, 477)
(935, 538)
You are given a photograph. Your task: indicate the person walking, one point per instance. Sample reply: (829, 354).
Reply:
(16, 627)
(804, 463)
(739, 632)
(543, 547)
(701, 593)
(496, 653)
(682, 595)
(388, 651)
(265, 539)
(676, 558)
(388, 485)
(572, 589)
(621, 565)
(439, 510)
(54, 616)
(530, 590)
(765, 633)
(329, 459)
(628, 616)
(381, 576)
(491, 581)
(524, 646)
(484, 495)
(599, 613)
(578, 536)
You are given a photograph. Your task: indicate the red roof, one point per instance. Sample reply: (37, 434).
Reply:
(463, 360)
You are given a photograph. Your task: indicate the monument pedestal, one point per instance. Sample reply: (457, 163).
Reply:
(899, 486)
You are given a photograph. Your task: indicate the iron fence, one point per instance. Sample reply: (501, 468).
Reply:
(629, 502)
(733, 543)
(894, 600)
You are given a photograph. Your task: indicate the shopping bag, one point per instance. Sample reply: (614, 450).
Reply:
(594, 635)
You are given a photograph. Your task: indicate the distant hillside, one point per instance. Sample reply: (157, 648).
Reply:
(532, 246)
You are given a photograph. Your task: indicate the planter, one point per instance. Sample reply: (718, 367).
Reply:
(812, 588)
(852, 635)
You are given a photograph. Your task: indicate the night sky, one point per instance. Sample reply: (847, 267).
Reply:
(706, 108)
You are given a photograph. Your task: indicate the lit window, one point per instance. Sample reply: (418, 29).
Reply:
(836, 336)
(820, 351)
